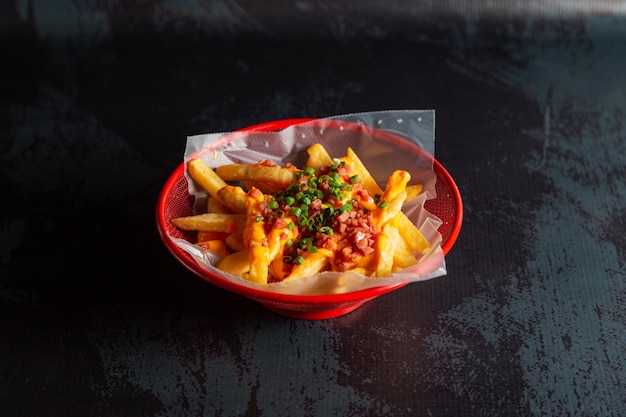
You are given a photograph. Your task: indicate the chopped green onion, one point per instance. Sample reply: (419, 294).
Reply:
(346, 207)
(258, 218)
(326, 230)
(299, 260)
(296, 211)
(382, 204)
(354, 179)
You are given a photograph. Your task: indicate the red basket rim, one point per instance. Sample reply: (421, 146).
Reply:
(330, 299)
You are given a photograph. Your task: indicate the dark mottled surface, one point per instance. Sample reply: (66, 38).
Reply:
(97, 99)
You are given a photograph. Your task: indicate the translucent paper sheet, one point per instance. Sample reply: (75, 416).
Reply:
(384, 141)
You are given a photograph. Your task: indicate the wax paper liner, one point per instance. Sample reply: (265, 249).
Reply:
(384, 141)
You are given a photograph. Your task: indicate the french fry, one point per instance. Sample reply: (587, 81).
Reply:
(396, 185)
(383, 215)
(205, 176)
(411, 234)
(403, 256)
(318, 157)
(259, 264)
(260, 173)
(237, 263)
(234, 242)
(385, 247)
(393, 197)
(412, 191)
(214, 205)
(358, 168)
(361, 270)
(212, 222)
(313, 263)
(233, 198)
(279, 269)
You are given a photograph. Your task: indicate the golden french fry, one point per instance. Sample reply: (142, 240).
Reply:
(256, 172)
(254, 232)
(396, 185)
(205, 176)
(270, 188)
(259, 264)
(413, 191)
(233, 198)
(313, 263)
(237, 263)
(212, 222)
(403, 256)
(393, 207)
(318, 157)
(392, 198)
(360, 270)
(234, 242)
(385, 246)
(214, 205)
(358, 168)
(411, 234)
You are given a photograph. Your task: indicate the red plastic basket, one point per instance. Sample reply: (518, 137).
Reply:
(175, 201)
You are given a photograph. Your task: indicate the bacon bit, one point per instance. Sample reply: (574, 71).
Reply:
(343, 170)
(367, 250)
(343, 217)
(364, 195)
(255, 193)
(315, 204)
(324, 186)
(280, 223)
(361, 241)
(267, 163)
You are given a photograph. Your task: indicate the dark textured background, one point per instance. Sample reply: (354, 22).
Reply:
(97, 99)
